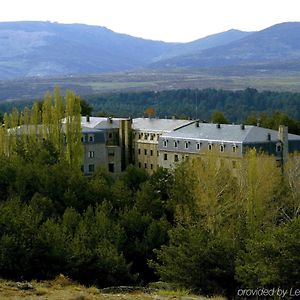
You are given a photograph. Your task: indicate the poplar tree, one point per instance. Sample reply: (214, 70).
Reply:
(73, 133)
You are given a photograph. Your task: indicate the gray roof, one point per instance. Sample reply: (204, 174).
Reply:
(101, 122)
(226, 132)
(158, 125)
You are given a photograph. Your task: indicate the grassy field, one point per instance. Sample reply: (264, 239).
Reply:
(63, 289)
(33, 88)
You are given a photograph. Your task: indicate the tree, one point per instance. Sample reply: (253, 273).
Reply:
(86, 108)
(219, 118)
(197, 260)
(271, 258)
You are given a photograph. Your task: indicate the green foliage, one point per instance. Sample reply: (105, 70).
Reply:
(203, 226)
(271, 258)
(199, 261)
(86, 108)
(218, 118)
(236, 105)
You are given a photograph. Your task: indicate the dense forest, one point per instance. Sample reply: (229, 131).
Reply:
(201, 226)
(187, 103)
(249, 106)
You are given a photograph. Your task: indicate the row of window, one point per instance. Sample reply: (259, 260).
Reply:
(111, 168)
(145, 165)
(91, 154)
(147, 136)
(198, 145)
(88, 138)
(176, 159)
(151, 152)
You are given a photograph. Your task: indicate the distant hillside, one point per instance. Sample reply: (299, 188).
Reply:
(208, 42)
(52, 49)
(44, 48)
(269, 48)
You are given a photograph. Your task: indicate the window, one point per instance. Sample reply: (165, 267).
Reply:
(91, 154)
(91, 168)
(110, 135)
(91, 138)
(83, 139)
(165, 156)
(111, 152)
(145, 151)
(186, 145)
(198, 146)
(175, 157)
(165, 143)
(139, 150)
(278, 147)
(145, 165)
(233, 164)
(151, 152)
(209, 146)
(157, 153)
(151, 166)
(175, 144)
(140, 165)
(111, 167)
(234, 148)
(222, 148)
(152, 137)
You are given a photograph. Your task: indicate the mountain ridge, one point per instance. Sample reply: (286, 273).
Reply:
(275, 44)
(41, 49)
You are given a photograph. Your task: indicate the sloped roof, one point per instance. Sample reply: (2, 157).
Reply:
(227, 132)
(101, 122)
(158, 125)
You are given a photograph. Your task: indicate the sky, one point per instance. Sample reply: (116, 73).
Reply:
(166, 20)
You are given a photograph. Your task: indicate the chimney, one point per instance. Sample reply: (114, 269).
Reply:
(197, 123)
(218, 125)
(283, 138)
(242, 126)
(88, 119)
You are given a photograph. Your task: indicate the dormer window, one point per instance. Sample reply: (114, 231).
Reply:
(210, 147)
(176, 144)
(165, 143)
(222, 148)
(234, 148)
(278, 147)
(91, 138)
(186, 145)
(198, 146)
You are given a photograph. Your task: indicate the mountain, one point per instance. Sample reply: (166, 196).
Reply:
(44, 48)
(211, 41)
(52, 49)
(278, 45)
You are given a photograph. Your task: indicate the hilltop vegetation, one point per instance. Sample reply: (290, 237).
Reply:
(249, 106)
(200, 227)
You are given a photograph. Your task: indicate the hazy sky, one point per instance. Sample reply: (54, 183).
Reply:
(167, 20)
